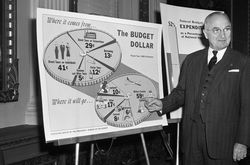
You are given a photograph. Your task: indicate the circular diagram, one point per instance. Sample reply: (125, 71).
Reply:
(118, 101)
(82, 57)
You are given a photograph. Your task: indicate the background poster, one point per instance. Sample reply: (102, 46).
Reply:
(93, 72)
(182, 35)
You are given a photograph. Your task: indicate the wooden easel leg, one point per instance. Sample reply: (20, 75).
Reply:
(91, 154)
(145, 148)
(77, 153)
(177, 143)
(166, 142)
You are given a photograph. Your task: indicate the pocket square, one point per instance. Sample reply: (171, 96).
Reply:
(234, 70)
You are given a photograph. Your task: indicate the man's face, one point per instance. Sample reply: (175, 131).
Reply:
(218, 32)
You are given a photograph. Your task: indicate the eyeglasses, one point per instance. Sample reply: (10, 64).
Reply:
(217, 30)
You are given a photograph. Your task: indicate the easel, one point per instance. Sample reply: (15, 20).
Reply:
(79, 140)
(143, 144)
(177, 121)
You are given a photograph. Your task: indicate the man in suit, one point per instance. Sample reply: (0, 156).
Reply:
(214, 91)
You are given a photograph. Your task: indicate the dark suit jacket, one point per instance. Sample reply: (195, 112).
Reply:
(227, 104)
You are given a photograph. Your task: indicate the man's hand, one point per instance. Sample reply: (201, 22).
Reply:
(239, 152)
(152, 104)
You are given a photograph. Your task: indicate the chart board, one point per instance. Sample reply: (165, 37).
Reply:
(94, 71)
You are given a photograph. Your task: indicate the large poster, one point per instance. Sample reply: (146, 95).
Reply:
(182, 35)
(93, 72)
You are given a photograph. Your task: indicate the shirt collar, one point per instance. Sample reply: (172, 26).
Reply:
(219, 54)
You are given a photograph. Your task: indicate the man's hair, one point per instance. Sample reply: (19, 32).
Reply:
(214, 14)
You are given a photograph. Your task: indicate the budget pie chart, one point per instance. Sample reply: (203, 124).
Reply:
(82, 57)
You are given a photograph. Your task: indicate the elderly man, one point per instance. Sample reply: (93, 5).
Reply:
(214, 90)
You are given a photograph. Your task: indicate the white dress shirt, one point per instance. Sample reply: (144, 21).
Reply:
(219, 54)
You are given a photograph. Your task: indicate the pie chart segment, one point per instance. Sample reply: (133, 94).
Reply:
(125, 92)
(82, 57)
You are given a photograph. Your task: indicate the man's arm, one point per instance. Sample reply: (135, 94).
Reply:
(174, 100)
(243, 136)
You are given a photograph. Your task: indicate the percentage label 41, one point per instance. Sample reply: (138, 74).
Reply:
(62, 67)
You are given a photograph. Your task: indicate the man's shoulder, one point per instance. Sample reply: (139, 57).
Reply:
(234, 51)
(198, 53)
(201, 51)
(195, 57)
(239, 57)
(237, 53)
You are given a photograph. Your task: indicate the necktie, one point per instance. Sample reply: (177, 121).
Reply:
(213, 60)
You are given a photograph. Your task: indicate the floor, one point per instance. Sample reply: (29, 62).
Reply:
(128, 150)
(125, 150)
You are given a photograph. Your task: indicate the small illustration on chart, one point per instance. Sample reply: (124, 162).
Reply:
(82, 57)
(118, 102)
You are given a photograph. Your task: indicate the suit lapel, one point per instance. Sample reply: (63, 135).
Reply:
(199, 65)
